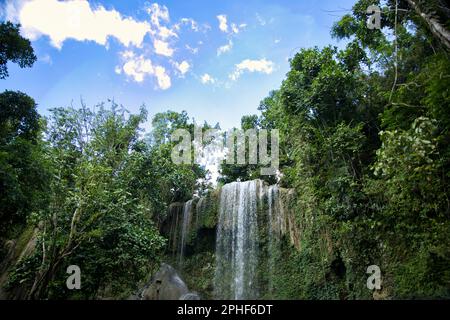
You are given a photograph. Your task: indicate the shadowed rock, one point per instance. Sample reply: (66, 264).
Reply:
(167, 285)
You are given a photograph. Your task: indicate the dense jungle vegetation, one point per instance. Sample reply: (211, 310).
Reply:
(365, 144)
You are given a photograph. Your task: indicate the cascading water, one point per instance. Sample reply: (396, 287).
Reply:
(237, 241)
(187, 209)
(254, 221)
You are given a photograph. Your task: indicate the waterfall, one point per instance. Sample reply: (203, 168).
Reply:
(254, 220)
(249, 223)
(185, 229)
(237, 241)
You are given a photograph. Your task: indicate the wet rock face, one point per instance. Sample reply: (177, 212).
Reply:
(167, 285)
(15, 253)
(244, 226)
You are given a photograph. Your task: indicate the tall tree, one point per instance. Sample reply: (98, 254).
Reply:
(14, 47)
(22, 170)
(435, 11)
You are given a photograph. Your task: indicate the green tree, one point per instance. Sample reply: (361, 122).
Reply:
(14, 47)
(165, 123)
(365, 143)
(95, 218)
(23, 170)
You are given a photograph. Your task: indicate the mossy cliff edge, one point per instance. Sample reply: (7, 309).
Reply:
(297, 259)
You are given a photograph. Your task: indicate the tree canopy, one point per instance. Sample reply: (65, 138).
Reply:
(14, 48)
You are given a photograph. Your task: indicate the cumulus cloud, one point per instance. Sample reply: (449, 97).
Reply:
(261, 66)
(165, 33)
(207, 79)
(158, 13)
(182, 67)
(76, 19)
(127, 54)
(139, 67)
(225, 48)
(188, 21)
(81, 20)
(236, 29)
(230, 29)
(162, 48)
(223, 26)
(162, 78)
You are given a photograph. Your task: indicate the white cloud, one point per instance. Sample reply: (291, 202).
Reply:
(206, 78)
(75, 19)
(188, 21)
(138, 68)
(232, 28)
(165, 33)
(223, 26)
(225, 48)
(82, 20)
(127, 54)
(162, 78)
(158, 13)
(162, 48)
(182, 67)
(261, 66)
(236, 29)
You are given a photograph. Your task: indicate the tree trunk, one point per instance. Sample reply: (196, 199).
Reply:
(436, 28)
(42, 280)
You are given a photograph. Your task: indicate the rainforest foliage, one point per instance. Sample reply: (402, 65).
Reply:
(365, 144)
(92, 185)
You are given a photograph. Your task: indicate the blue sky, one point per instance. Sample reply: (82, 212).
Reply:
(214, 59)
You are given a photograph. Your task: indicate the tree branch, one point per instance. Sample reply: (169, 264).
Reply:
(436, 28)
